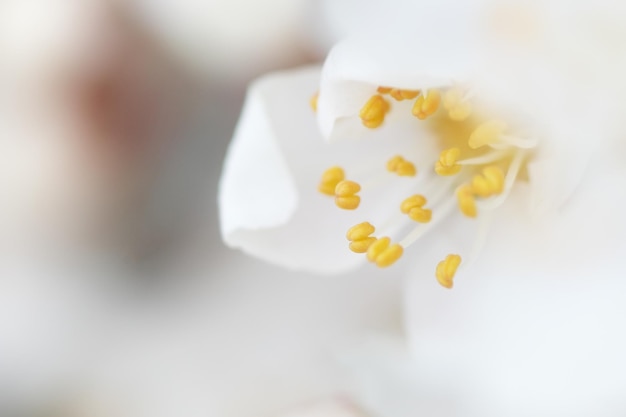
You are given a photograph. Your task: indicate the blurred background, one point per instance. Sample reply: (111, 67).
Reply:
(117, 296)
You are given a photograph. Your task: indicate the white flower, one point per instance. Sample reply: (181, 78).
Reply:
(532, 327)
(463, 124)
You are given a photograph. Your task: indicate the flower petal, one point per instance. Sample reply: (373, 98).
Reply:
(268, 199)
(532, 326)
(357, 66)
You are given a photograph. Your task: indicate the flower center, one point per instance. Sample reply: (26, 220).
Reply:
(479, 160)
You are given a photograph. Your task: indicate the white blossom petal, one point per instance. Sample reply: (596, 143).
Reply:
(356, 66)
(534, 328)
(269, 204)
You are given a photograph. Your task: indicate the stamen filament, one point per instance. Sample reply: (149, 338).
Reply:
(486, 158)
(517, 142)
(439, 214)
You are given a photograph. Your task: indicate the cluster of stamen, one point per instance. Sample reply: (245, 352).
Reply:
(487, 184)
(483, 153)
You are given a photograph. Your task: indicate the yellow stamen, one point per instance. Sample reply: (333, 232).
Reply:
(384, 90)
(466, 200)
(458, 109)
(373, 112)
(401, 166)
(313, 101)
(330, 178)
(404, 94)
(414, 207)
(383, 253)
(446, 270)
(487, 133)
(446, 165)
(359, 237)
(491, 182)
(345, 195)
(426, 105)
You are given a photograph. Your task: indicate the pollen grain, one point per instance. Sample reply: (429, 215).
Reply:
(490, 183)
(373, 113)
(330, 178)
(383, 253)
(458, 108)
(360, 237)
(401, 166)
(447, 163)
(414, 207)
(426, 104)
(345, 195)
(446, 270)
(467, 201)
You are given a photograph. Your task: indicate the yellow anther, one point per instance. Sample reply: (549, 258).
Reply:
(384, 90)
(414, 207)
(491, 182)
(446, 270)
(458, 109)
(359, 237)
(401, 166)
(426, 105)
(373, 112)
(466, 200)
(486, 134)
(404, 94)
(330, 178)
(446, 165)
(345, 195)
(313, 101)
(383, 253)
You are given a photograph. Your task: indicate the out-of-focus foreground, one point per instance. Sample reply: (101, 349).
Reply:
(117, 297)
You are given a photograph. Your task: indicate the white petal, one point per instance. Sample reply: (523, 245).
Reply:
(531, 327)
(356, 67)
(269, 204)
(385, 380)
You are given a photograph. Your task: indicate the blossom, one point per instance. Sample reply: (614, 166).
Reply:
(532, 326)
(421, 142)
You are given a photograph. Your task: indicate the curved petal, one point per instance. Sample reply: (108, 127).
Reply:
(533, 327)
(268, 199)
(355, 67)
